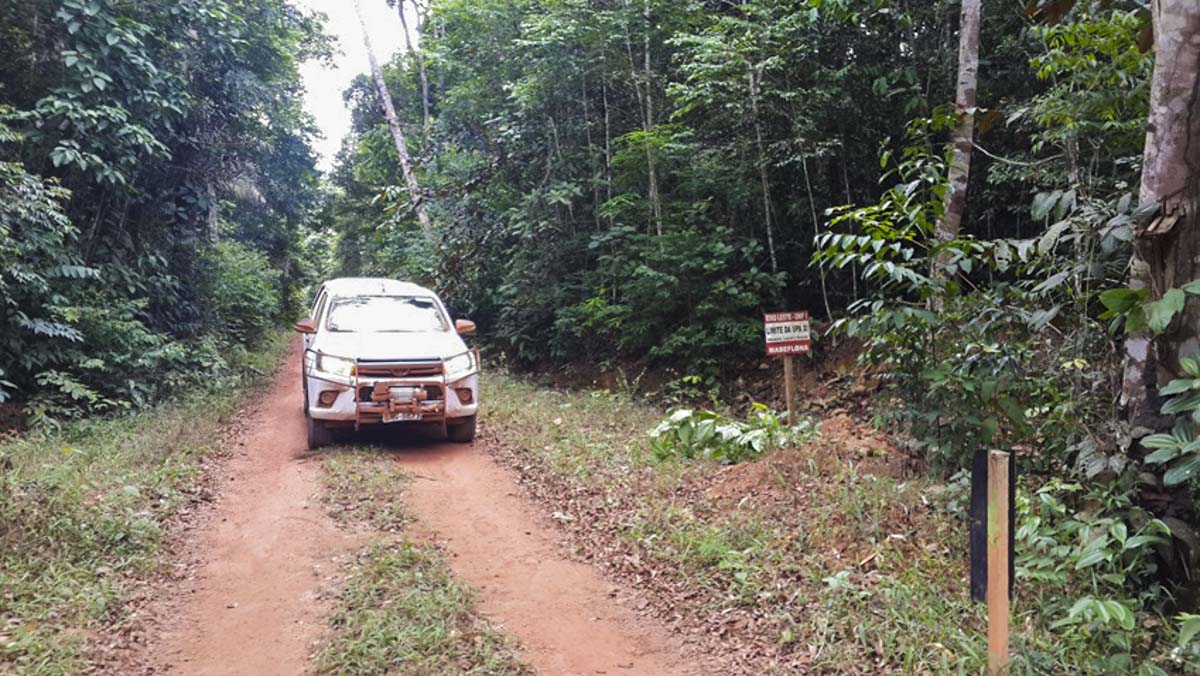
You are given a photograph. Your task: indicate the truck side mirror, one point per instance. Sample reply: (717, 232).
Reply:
(464, 326)
(306, 326)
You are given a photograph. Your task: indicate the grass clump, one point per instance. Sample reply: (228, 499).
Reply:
(401, 611)
(82, 512)
(365, 487)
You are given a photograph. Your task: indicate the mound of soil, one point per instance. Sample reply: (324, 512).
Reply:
(779, 474)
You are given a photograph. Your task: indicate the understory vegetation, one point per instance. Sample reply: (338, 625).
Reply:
(400, 611)
(820, 556)
(83, 512)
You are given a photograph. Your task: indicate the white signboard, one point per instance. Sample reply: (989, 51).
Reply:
(787, 333)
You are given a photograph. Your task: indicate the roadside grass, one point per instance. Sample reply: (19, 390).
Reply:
(828, 566)
(400, 611)
(83, 510)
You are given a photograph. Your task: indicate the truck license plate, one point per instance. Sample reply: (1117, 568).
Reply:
(400, 417)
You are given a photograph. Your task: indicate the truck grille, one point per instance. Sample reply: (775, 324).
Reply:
(432, 393)
(399, 370)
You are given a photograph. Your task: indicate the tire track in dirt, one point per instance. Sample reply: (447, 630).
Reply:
(560, 610)
(254, 606)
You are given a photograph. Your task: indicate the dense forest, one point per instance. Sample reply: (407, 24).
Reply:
(616, 182)
(157, 177)
(962, 190)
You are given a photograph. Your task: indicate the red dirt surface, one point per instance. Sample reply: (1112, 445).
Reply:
(566, 617)
(262, 559)
(254, 605)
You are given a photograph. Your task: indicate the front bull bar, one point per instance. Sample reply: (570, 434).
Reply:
(421, 377)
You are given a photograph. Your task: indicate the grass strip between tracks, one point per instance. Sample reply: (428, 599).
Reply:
(400, 610)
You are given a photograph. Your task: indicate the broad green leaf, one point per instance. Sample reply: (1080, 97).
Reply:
(1187, 402)
(1121, 300)
(1091, 558)
(1165, 454)
(1183, 470)
(1188, 629)
(1178, 386)
(1141, 540)
(1160, 313)
(1120, 613)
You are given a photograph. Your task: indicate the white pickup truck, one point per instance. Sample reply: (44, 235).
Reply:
(380, 351)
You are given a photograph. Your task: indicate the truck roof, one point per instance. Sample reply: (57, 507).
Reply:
(382, 286)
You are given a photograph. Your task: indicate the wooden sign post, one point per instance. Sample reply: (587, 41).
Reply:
(787, 334)
(998, 559)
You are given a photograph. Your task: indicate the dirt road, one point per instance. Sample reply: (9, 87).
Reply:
(255, 604)
(559, 609)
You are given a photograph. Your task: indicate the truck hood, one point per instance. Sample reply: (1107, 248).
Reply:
(431, 345)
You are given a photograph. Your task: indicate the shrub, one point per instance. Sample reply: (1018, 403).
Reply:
(691, 434)
(1096, 542)
(242, 291)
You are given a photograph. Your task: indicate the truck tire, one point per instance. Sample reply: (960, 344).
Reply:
(318, 434)
(462, 431)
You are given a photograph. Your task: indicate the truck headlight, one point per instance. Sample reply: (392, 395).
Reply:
(335, 366)
(459, 367)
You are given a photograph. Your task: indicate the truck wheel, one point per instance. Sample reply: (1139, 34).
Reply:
(318, 434)
(462, 432)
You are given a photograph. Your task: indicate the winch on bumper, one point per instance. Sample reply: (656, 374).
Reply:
(396, 391)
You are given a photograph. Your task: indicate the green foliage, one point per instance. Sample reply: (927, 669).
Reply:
(991, 360)
(1179, 450)
(403, 612)
(129, 126)
(690, 434)
(1189, 629)
(704, 297)
(1106, 551)
(633, 181)
(242, 292)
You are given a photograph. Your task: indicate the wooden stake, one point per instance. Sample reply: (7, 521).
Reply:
(997, 556)
(789, 387)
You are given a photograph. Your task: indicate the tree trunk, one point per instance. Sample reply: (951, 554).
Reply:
(655, 200)
(214, 215)
(646, 104)
(420, 61)
(762, 165)
(1166, 247)
(812, 207)
(607, 145)
(389, 112)
(964, 132)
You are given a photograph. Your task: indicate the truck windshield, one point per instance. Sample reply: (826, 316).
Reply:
(384, 314)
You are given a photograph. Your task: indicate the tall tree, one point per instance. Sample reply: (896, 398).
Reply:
(397, 129)
(964, 132)
(754, 75)
(417, 59)
(1166, 252)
